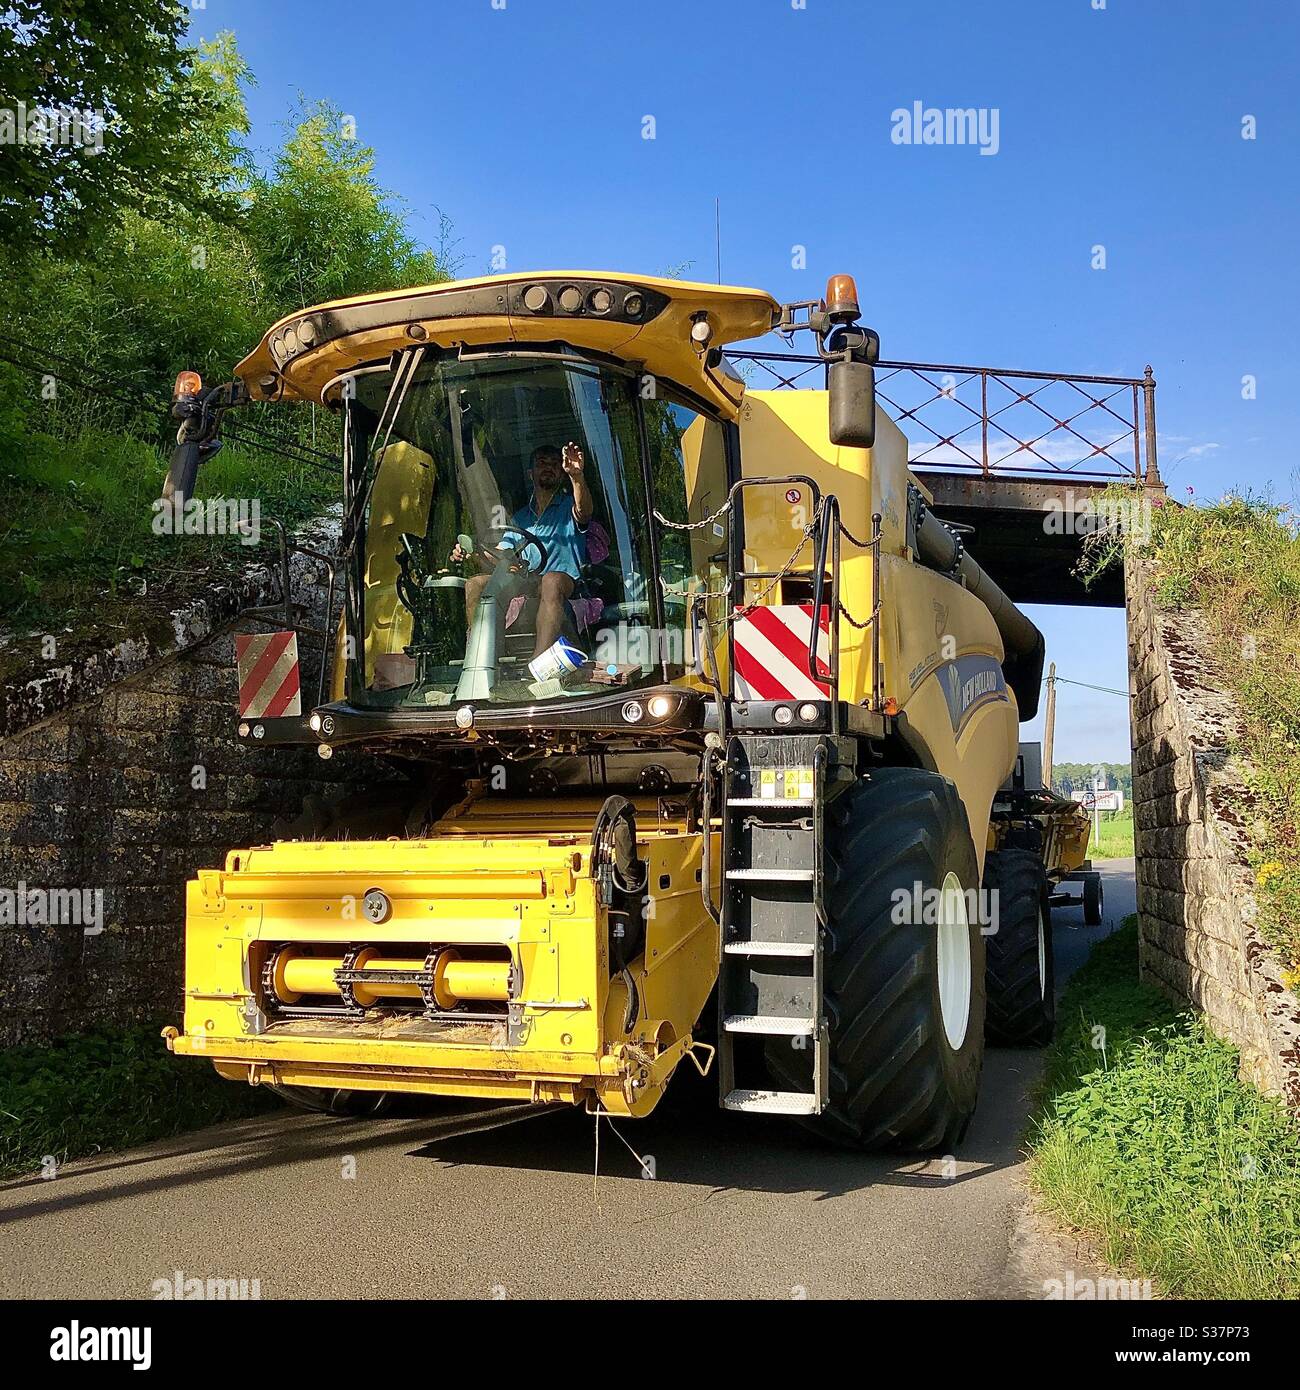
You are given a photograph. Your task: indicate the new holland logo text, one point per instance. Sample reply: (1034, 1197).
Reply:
(968, 683)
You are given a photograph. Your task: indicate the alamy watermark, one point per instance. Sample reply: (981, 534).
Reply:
(42, 126)
(947, 125)
(922, 906)
(22, 906)
(644, 647)
(180, 1286)
(1072, 515)
(1073, 1289)
(75, 1342)
(212, 516)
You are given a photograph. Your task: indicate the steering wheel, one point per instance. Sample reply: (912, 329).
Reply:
(509, 550)
(414, 571)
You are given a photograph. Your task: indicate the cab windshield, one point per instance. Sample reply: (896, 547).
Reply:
(503, 505)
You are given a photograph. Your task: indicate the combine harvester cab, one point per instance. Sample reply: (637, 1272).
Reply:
(701, 715)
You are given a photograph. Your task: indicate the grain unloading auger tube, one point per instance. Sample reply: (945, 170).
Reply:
(593, 856)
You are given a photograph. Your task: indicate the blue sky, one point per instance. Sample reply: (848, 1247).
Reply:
(1119, 126)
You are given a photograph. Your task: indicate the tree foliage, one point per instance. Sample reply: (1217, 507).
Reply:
(1077, 777)
(94, 328)
(122, 64)
(323, 227)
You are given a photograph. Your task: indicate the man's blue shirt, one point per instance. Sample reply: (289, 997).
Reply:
(559, 532)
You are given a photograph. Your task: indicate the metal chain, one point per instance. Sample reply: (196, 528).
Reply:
(852, 621)
(744, 610)
(853, 540)
(693, 525)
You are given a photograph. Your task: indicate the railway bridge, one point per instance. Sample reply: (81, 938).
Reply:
(1016, 461)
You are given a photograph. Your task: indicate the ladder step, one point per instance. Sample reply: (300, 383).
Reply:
(772, 1102)
(771, 1024)
(769, 948)
(771, 875)
(776, 803)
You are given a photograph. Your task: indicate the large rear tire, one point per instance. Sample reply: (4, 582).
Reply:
(904, 998)
(1020, 978)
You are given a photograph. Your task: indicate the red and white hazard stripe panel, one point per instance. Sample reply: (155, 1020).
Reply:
(771, 653)
(268, 675)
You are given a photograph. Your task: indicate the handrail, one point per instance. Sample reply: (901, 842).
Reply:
(1005, 445)
(829, 537)
(829, 529)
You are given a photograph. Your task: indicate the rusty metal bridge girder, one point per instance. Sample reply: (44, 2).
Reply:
(1004, 483)
(1002, 451)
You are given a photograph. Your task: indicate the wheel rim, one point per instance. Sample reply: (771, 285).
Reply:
(953, 961)
(1042, 956)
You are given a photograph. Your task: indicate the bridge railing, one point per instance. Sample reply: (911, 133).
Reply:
(994, 421)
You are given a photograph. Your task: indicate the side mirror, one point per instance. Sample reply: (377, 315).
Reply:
(182, 471)
(852, 390)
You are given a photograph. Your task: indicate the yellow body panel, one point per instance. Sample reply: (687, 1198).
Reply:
(1065, 843)
(399, 503)
(1069, 846)
(928, 622)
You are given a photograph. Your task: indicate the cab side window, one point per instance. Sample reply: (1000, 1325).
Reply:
(689, 469)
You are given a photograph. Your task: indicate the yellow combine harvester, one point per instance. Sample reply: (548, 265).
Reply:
(702, 716)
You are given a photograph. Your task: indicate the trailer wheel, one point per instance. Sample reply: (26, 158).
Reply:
(1020, 978)
(1094, 900)
(334, 1100)
(904, 999)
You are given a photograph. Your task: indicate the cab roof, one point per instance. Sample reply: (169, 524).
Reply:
(640, 319)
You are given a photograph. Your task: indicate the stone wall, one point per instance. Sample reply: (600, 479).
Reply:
(130, 794)
(1196, 904)
(128, 788)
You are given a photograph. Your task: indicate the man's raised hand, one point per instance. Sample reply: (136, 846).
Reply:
(571, 460)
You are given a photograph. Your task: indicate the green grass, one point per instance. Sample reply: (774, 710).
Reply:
(1146, 1139)
(1237, 563)
(76, 536)
(104, 1091)
(1116, 838)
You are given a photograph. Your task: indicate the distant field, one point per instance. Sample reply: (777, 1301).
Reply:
(1116, 840)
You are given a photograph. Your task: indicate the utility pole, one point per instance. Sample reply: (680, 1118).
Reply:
(1049, 726)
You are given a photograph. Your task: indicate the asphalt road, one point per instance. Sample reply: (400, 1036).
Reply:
(740, 1206)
